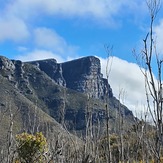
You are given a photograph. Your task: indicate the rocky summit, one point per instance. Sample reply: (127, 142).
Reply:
(82, 75)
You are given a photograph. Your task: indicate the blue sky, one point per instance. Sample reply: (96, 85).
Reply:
(68, 29)
(84, 27)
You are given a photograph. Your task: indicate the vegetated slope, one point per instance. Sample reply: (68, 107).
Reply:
(19, 114)
(34, 94)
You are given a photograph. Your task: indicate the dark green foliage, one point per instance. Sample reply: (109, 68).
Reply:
(30, 148)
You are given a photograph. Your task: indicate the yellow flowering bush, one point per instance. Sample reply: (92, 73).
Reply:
(30, 148)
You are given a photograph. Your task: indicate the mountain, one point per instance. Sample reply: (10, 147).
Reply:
(46, 95)
(82, 75)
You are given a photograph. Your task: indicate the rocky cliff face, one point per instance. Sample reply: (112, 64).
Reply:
(52, 69)
(83, 75)
(62, 90)
(7, 67)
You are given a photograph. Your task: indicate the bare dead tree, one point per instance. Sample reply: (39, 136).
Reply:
(121, 124)
(10, 137)
(108, 70)
(153, 86)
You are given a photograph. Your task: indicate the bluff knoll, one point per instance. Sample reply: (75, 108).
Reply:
(49, 96)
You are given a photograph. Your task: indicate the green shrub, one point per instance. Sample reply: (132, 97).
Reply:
(30, 148)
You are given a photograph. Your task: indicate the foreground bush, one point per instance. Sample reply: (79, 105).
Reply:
(31, 148)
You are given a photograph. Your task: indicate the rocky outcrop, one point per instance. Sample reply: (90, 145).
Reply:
(52, 69)
(83, 75)
(13, 70)
(7, 67)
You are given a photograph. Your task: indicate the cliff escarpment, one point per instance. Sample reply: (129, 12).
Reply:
(82, 75)
(70, 92)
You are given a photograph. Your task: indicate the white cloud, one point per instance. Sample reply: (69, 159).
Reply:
(12, 28)
(22, 49)
(158, 32)
(39, 55)
(66, 7)
(105, 9)
(127, 76)
(17, 15)
(49, 39)
(48, 44)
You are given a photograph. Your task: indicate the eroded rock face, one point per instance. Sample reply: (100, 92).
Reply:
(52, 69)
(84, 75)
(6, 64)
(7, 67)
